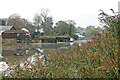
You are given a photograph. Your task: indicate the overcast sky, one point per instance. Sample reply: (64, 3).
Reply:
(83, 12)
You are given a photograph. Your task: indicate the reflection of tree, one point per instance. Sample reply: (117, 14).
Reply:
(37, 57)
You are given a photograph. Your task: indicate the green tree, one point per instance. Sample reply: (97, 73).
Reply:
(80, 29)
(63, 28)
(91, 31)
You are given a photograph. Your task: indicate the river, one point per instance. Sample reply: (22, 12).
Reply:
(20, 52)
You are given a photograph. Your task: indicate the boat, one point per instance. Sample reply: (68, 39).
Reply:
(71, 39)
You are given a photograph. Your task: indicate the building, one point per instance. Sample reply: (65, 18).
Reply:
(15, 36)
(54, 39)
(4, 28)
(62, 38)
(80, 36)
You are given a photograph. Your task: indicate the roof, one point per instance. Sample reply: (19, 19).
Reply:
(80, 36)
(62, 36)
(14, 31)
(5, 28)
(25, 29)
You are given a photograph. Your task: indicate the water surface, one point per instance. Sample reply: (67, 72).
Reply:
(18, 53)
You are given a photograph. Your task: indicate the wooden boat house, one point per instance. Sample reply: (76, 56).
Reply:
(15, 36)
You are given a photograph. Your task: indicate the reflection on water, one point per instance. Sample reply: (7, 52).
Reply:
(18, 53)
(3, 66)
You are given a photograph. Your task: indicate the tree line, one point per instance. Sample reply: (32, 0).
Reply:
(42, 22)
(43, 25)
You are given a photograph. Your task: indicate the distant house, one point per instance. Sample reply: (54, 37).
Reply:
(4, 28)
(15, 36)
(62, 38)
(39, 30)
(80, 35)
(51, 39)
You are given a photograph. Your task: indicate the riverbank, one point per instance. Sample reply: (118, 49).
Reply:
(90, 60)
(20, 44)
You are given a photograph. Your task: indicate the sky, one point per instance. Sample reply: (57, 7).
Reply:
(83, 12)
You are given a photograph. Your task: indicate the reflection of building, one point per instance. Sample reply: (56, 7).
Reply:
(1, 57)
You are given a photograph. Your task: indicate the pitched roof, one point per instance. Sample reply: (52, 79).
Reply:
(5, 28)
(14, 31)
(25, 29)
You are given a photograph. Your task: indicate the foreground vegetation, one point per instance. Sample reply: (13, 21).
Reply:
(95, 59)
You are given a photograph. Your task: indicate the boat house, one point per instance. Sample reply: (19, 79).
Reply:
(4, 28)
(15, 36)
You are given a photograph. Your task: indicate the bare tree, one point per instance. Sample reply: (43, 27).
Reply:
(42, 20)
(37, 21)
(71, 22)
(19, 23)
(15, 16)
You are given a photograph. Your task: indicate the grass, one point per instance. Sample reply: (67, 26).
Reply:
(61, 42)
(47, 43)
(34, 43)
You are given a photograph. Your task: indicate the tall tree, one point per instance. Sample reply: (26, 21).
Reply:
(15, 20)
(63, 28)
(71, 22)
(19, 23)
(91, 31)
(80, 29)
(72, 28)
(42, 20)
(37, 22)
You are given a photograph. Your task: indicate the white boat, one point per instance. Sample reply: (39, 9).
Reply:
(71, 39)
